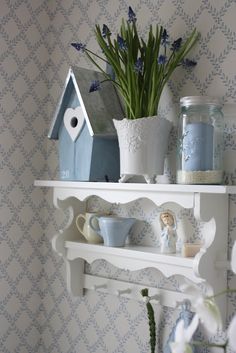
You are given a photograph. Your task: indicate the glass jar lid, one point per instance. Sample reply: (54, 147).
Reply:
(200, 100)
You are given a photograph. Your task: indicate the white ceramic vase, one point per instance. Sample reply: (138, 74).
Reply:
(143, 145)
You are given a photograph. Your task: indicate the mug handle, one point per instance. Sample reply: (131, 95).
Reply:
(97, 230)
(78, 225)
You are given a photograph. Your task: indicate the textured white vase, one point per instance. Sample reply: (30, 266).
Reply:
(143, 145)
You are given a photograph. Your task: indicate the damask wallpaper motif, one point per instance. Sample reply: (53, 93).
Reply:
(24, 57)
(37, 313)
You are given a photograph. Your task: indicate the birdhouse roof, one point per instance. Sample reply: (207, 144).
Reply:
(99, 107)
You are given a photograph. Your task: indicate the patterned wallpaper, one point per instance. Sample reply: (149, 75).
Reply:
(24, 57)
(37, 313)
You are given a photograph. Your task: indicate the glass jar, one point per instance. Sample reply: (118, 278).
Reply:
(200, 141)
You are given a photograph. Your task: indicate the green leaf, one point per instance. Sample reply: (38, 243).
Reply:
(141, 91)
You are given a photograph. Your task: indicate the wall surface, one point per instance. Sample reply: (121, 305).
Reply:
(24, 58)
(37, 313)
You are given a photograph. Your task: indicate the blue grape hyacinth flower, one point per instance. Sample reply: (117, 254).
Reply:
(138, 66)
(121, 43)
(131, 15)
(95, 86)
(188, 63)
(79, 46)
(175, 46)
(162, 59)
(105, 31)
(165, 38)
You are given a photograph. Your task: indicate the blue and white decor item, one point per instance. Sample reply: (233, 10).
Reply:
(38, 314)
(113, 229)
(186, 315)
(200, 149)
(88, 146)
(168, 232)
(137, 140)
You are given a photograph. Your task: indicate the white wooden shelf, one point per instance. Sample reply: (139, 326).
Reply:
(209, 203)
(133, 257)
(138, 188)
(184, 195)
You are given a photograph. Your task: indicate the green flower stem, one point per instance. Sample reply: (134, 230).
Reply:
(221, 293)
(110, 54)
(98, 56)
(96, 64)
(136, 35)
(115, 50)
(119, 86)
(151, 320)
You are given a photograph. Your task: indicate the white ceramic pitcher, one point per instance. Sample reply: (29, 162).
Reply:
(82, 223)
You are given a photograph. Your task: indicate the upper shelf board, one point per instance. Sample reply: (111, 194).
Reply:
(139, 187)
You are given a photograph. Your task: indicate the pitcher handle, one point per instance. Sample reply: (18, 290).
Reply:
(97, 230)
(78, 224)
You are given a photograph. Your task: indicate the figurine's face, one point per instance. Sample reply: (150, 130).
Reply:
(167, 219)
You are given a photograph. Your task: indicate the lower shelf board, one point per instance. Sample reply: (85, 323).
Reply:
(134, 257)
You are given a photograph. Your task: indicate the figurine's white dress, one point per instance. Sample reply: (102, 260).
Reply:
(168, 240)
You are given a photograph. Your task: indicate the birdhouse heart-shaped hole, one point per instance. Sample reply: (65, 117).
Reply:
(74, 122)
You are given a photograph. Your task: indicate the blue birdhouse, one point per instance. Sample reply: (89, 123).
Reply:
(88, 144)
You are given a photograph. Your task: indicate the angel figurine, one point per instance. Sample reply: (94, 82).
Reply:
(168, 232)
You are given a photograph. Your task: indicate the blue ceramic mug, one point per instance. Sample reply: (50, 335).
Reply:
(113, 229)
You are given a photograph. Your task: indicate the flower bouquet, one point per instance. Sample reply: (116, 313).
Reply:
(140, 70)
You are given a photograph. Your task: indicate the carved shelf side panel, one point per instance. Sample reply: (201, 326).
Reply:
(213, 263)
(70, 232)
